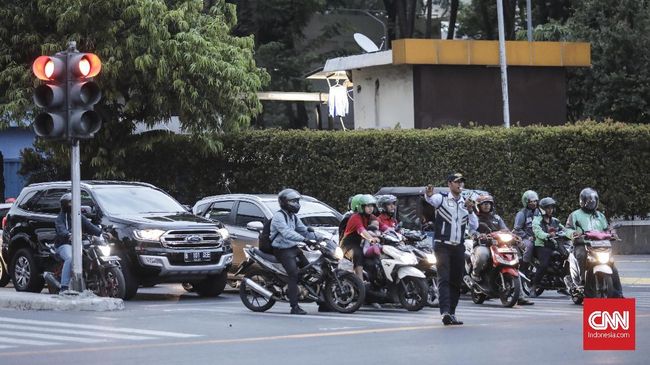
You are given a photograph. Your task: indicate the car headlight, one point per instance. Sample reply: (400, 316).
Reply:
(603, 257)
(105, 250)
(148, 234)
(505, 237)
(338, 253)
(431, 258)
(224, 233)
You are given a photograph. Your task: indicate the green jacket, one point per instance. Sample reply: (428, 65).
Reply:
(540, 229)
(582, 221)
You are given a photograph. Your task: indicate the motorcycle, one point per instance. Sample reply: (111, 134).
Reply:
(320, 281)
(500, 279)
(395, 278)
(598, 269)
(557, 272)
(101, 271)
(423, 250)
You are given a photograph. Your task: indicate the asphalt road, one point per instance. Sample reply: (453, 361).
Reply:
(166, 325)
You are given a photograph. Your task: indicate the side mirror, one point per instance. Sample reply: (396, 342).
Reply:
(255, 226)
(187, 207)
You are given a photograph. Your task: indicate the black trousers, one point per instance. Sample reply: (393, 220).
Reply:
(450, 263)
(292, 259)
(544, 255)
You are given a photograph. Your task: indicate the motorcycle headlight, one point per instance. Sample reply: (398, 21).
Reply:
(224, 233)
(338, 253)
(105, 250)
(148, 234)
(505, 237)
(431, 258)
(603, 257)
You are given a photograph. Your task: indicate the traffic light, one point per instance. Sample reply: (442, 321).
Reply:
(52, 123)
(83, 94)
(68, 95)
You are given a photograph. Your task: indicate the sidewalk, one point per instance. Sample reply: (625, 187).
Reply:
(86, 301)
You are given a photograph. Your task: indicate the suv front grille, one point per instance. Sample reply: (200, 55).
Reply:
(192, 239)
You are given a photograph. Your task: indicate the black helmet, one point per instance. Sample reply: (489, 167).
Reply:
(289, 200)
(383, 201)
(66, 202)
(588, 200)
(546, 203)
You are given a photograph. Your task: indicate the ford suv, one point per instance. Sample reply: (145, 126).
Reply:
(156, 238)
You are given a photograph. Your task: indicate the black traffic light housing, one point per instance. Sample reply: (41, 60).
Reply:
(68, 95)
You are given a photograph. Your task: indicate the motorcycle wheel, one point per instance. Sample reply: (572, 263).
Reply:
(253, 300)
(432, 292)
(112, 284)
(349, 296)
(577, 299)
(478, 297)
(509, 294)
(412, 293)
(605, 286)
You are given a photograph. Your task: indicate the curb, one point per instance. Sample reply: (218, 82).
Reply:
(86, 301)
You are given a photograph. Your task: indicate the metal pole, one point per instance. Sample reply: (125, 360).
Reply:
(76, 281)
(502, 61)
(529, 20)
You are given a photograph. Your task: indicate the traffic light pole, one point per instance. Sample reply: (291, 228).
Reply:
(76, 281)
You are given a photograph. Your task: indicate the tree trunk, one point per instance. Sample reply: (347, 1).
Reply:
(391, 26)
(428, 31)
(453, 14)
(485, 14)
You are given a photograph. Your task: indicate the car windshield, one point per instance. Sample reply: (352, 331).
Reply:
(126, 200)
(311, 213)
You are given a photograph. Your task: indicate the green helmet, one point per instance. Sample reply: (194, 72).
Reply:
(528, 196)
(359, 201)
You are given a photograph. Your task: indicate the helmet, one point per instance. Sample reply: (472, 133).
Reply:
(588, 200)
(66, 202)
(545, 203)
(361, 201)
(355, 202)
(528, 196)
(289, 200)
(384, 200)
(486, 198)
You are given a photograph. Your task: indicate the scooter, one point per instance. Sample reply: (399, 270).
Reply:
(557, 272)
(422, 248)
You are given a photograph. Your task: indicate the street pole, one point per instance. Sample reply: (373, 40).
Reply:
(76, 281)
(529, 20)
(502, 61)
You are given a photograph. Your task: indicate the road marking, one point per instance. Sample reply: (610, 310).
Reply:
(16, 341)
(99, 328)
(635, 281)
(76, 332)
(6, 347)
(43, 336)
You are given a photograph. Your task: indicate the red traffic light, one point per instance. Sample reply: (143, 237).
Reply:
(47, 68)
(84, 64)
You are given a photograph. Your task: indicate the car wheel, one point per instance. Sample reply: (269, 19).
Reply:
(131, 282)
(26, 276)
(212, 286)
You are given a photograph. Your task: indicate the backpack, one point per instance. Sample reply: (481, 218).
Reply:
(265, 239)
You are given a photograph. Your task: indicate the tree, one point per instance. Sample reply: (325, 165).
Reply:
(618, 84)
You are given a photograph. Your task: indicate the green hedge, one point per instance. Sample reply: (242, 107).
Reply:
(613, 158)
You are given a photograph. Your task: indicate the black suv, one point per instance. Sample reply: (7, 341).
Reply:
(156, 238)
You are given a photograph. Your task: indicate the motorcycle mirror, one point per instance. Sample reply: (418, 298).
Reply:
(310, 229)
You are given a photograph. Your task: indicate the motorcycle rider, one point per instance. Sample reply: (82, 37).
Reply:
(585, 219)
(523, 228)
(356, 230)
(387, 205)
(545, 227)
(454, 214)
(63, 239)
(489, 222)
(289, 232)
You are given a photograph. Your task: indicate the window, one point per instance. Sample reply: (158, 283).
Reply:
(248, 212)
(220, 211)
(48, 203)
(30, 198)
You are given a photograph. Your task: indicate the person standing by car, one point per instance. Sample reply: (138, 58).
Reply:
(62, 242)
(289, 232)
(523, 228)
(356, 230)
(454, 215)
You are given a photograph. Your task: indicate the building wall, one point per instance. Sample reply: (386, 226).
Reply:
(12, 141)
(383, 97)
(452, 95)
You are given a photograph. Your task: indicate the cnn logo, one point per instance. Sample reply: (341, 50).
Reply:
(601, 320)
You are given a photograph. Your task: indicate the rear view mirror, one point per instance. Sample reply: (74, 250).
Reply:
(255, 226)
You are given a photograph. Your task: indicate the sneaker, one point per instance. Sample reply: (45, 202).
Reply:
(447, 319)
(455, 321)
(297, 310)
(524, 301)
(375, 305)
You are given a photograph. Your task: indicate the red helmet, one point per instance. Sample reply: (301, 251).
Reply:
(487, 198)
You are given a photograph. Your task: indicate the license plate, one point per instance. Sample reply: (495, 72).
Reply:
(198, 256)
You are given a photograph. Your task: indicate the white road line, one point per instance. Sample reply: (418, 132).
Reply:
(2, 347)
(16, 341)
(43, 336)
(327, 317)
(99, 328)
(76, 332)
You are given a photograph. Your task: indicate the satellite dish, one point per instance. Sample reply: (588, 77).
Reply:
(365, 43)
